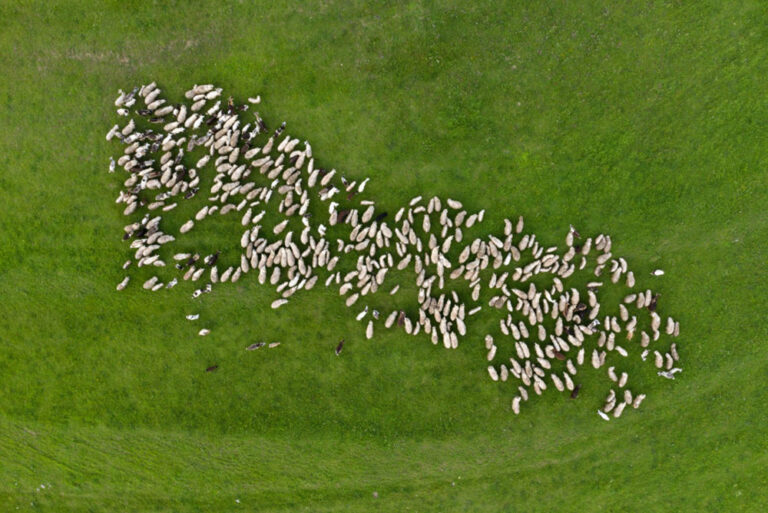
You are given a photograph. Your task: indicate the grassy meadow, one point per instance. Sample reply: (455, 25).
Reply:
(644, 120)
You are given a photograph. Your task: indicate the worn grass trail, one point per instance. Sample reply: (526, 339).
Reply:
(643, 121)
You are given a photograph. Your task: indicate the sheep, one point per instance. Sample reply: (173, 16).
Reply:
(595, 359)
(670, 374)
(187, 226)
(291, 266)
(280, 227)
(655, 321)
(278, 303)
(128, 129)
(201, 214)
(122, 284)
(558, 383)
(670, 328)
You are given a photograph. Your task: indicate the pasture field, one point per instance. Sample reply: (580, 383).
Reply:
(644, 120)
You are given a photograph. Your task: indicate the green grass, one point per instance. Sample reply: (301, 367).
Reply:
(644, 120)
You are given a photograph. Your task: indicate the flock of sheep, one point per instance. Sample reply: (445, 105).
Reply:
(302, 223)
